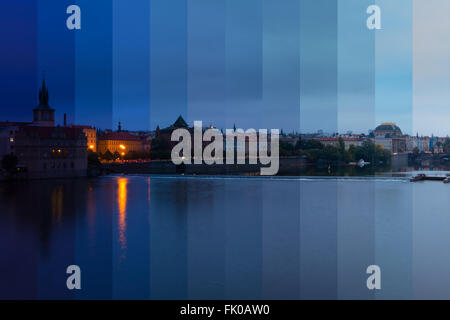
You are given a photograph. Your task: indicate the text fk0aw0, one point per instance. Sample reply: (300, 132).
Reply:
(249, 143)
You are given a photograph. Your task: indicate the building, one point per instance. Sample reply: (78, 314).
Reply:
(390, 137)
(385, 142)
(43, 150)
(119, 141)
(91, 136)
(8, 137)
(51, 152)
(145, 137)
(387, 128)
(166, 133)
(334, 141)
(422, 144)
(43, 115)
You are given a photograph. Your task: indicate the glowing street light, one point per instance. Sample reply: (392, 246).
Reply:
(122, 147)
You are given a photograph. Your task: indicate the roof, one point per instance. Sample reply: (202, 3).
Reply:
(61, 133)
(43, 98)
(388, 127)
(119, 136)
(14, 124)
(80, 126)
(180, 123)
(337, 139)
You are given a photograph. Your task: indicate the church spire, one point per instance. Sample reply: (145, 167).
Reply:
(43, 95)
(43, 115)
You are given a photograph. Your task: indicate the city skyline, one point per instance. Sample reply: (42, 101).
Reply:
(300, 67)
(119, 128)
(63, 117)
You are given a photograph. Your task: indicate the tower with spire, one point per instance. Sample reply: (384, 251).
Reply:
(43, 114)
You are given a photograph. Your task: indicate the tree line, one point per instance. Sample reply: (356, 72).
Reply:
(315, 151)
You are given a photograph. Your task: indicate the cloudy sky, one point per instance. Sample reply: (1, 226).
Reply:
(299, 65)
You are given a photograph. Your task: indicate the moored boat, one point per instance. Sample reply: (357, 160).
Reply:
(419, 177)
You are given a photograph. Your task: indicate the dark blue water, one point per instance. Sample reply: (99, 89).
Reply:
(152, 237)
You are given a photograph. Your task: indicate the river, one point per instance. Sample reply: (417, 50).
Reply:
(173, 237)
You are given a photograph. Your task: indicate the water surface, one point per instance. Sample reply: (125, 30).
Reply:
(164, 237)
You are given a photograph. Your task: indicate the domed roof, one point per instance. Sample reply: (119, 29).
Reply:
(388, 128)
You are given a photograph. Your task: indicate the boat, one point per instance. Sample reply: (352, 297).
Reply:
(361, 163)
(447, 179)
(419, 177)
(423, 177)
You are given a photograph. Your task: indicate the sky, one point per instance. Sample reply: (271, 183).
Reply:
(296, 65)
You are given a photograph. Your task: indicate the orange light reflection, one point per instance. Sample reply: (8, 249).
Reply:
(122, 203)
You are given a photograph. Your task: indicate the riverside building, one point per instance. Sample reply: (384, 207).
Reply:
(43, 149)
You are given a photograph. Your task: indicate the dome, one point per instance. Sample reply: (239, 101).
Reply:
(390, 129)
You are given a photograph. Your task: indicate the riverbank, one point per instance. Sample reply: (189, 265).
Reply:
(288, 166)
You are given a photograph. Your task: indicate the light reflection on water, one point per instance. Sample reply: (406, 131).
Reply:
(163, 237)
(122, 203)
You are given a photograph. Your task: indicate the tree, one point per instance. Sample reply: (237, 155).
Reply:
(341, 145)
(116, 155)
(330, 154)
(351, 152)
(308, 144)
(137, 155)
(343, 154)
(372, 152)
(108, 156)
(9, 163)
(132, 155)
(160, 149)
(93, 159)
(286, 149)
(415, 150)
